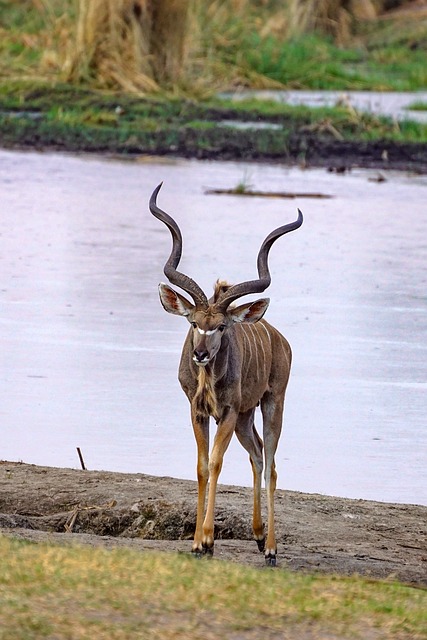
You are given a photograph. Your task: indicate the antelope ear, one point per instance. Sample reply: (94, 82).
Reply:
(174, 302)
(249, 312)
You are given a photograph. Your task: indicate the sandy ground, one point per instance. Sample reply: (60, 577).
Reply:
(315, 532)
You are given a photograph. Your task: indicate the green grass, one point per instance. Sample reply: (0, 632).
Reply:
(76, 119)
(418, 105)
(48, 591)
(315, 62)
(30, 32)
(82, 119)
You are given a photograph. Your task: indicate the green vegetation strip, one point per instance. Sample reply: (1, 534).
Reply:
(49, 591)
(78, 119)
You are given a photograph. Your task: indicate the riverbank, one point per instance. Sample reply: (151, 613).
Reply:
(66, 118)
(316, 533)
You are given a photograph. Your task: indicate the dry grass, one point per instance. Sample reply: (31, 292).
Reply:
(145, 45)
(334, 17)
(340, 18)
(134, 45)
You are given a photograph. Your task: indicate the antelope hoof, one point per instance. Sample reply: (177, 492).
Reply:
(270, 559)
(261, 544)
(202, 551)
(208, 550)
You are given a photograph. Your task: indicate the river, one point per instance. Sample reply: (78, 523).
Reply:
(89, 357)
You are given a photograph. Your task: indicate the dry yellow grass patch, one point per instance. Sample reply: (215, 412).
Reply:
(132, 44)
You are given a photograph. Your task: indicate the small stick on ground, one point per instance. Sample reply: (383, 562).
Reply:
(82, 462)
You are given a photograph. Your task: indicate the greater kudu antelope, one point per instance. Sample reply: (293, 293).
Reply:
(232, 361)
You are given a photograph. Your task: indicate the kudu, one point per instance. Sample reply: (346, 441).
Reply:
(232, 361)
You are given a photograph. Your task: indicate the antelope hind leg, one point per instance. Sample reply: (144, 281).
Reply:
(250, 440)
(272, 411)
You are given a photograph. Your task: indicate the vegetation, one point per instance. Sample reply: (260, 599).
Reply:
(418, 105)
(106, 76)
(138, 76)
(80, 592)
(200, 47)
(76, 119)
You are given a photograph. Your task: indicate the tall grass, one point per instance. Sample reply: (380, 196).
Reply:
(201, 46)
(226, 29)
(135, 45)
(334, 17)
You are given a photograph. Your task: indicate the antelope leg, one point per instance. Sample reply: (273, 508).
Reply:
(272, 411)
(201, 432)
(250, 440)
(222, 439)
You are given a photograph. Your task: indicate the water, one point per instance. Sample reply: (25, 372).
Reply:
(89, 358)
(397, 105)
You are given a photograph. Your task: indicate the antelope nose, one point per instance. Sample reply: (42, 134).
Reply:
(200, 354)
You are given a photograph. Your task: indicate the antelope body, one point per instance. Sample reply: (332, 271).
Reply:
(232, 361)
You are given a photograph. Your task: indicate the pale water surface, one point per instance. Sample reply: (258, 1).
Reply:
(394, 104)
(89, 358)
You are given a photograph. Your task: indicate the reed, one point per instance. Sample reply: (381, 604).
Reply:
(134, 45)
(202, 46)
(333, 17)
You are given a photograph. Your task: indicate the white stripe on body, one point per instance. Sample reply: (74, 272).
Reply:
(248, 341)
(264, 361)
(260, 323)
(255, 342)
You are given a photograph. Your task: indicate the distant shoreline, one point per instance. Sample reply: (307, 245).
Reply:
(334, 156)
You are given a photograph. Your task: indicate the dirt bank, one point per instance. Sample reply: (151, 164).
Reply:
(228, 145)
(315, 533)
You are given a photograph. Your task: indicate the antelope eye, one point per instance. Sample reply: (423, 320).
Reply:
(194, 325)
(221, 327)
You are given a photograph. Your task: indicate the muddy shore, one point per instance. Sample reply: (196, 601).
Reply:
(304, 151)
(315, 532)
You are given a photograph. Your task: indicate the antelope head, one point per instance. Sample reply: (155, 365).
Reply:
(210, 319)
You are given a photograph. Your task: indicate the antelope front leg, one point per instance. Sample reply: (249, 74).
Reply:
(201, 432)
(223, 436)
